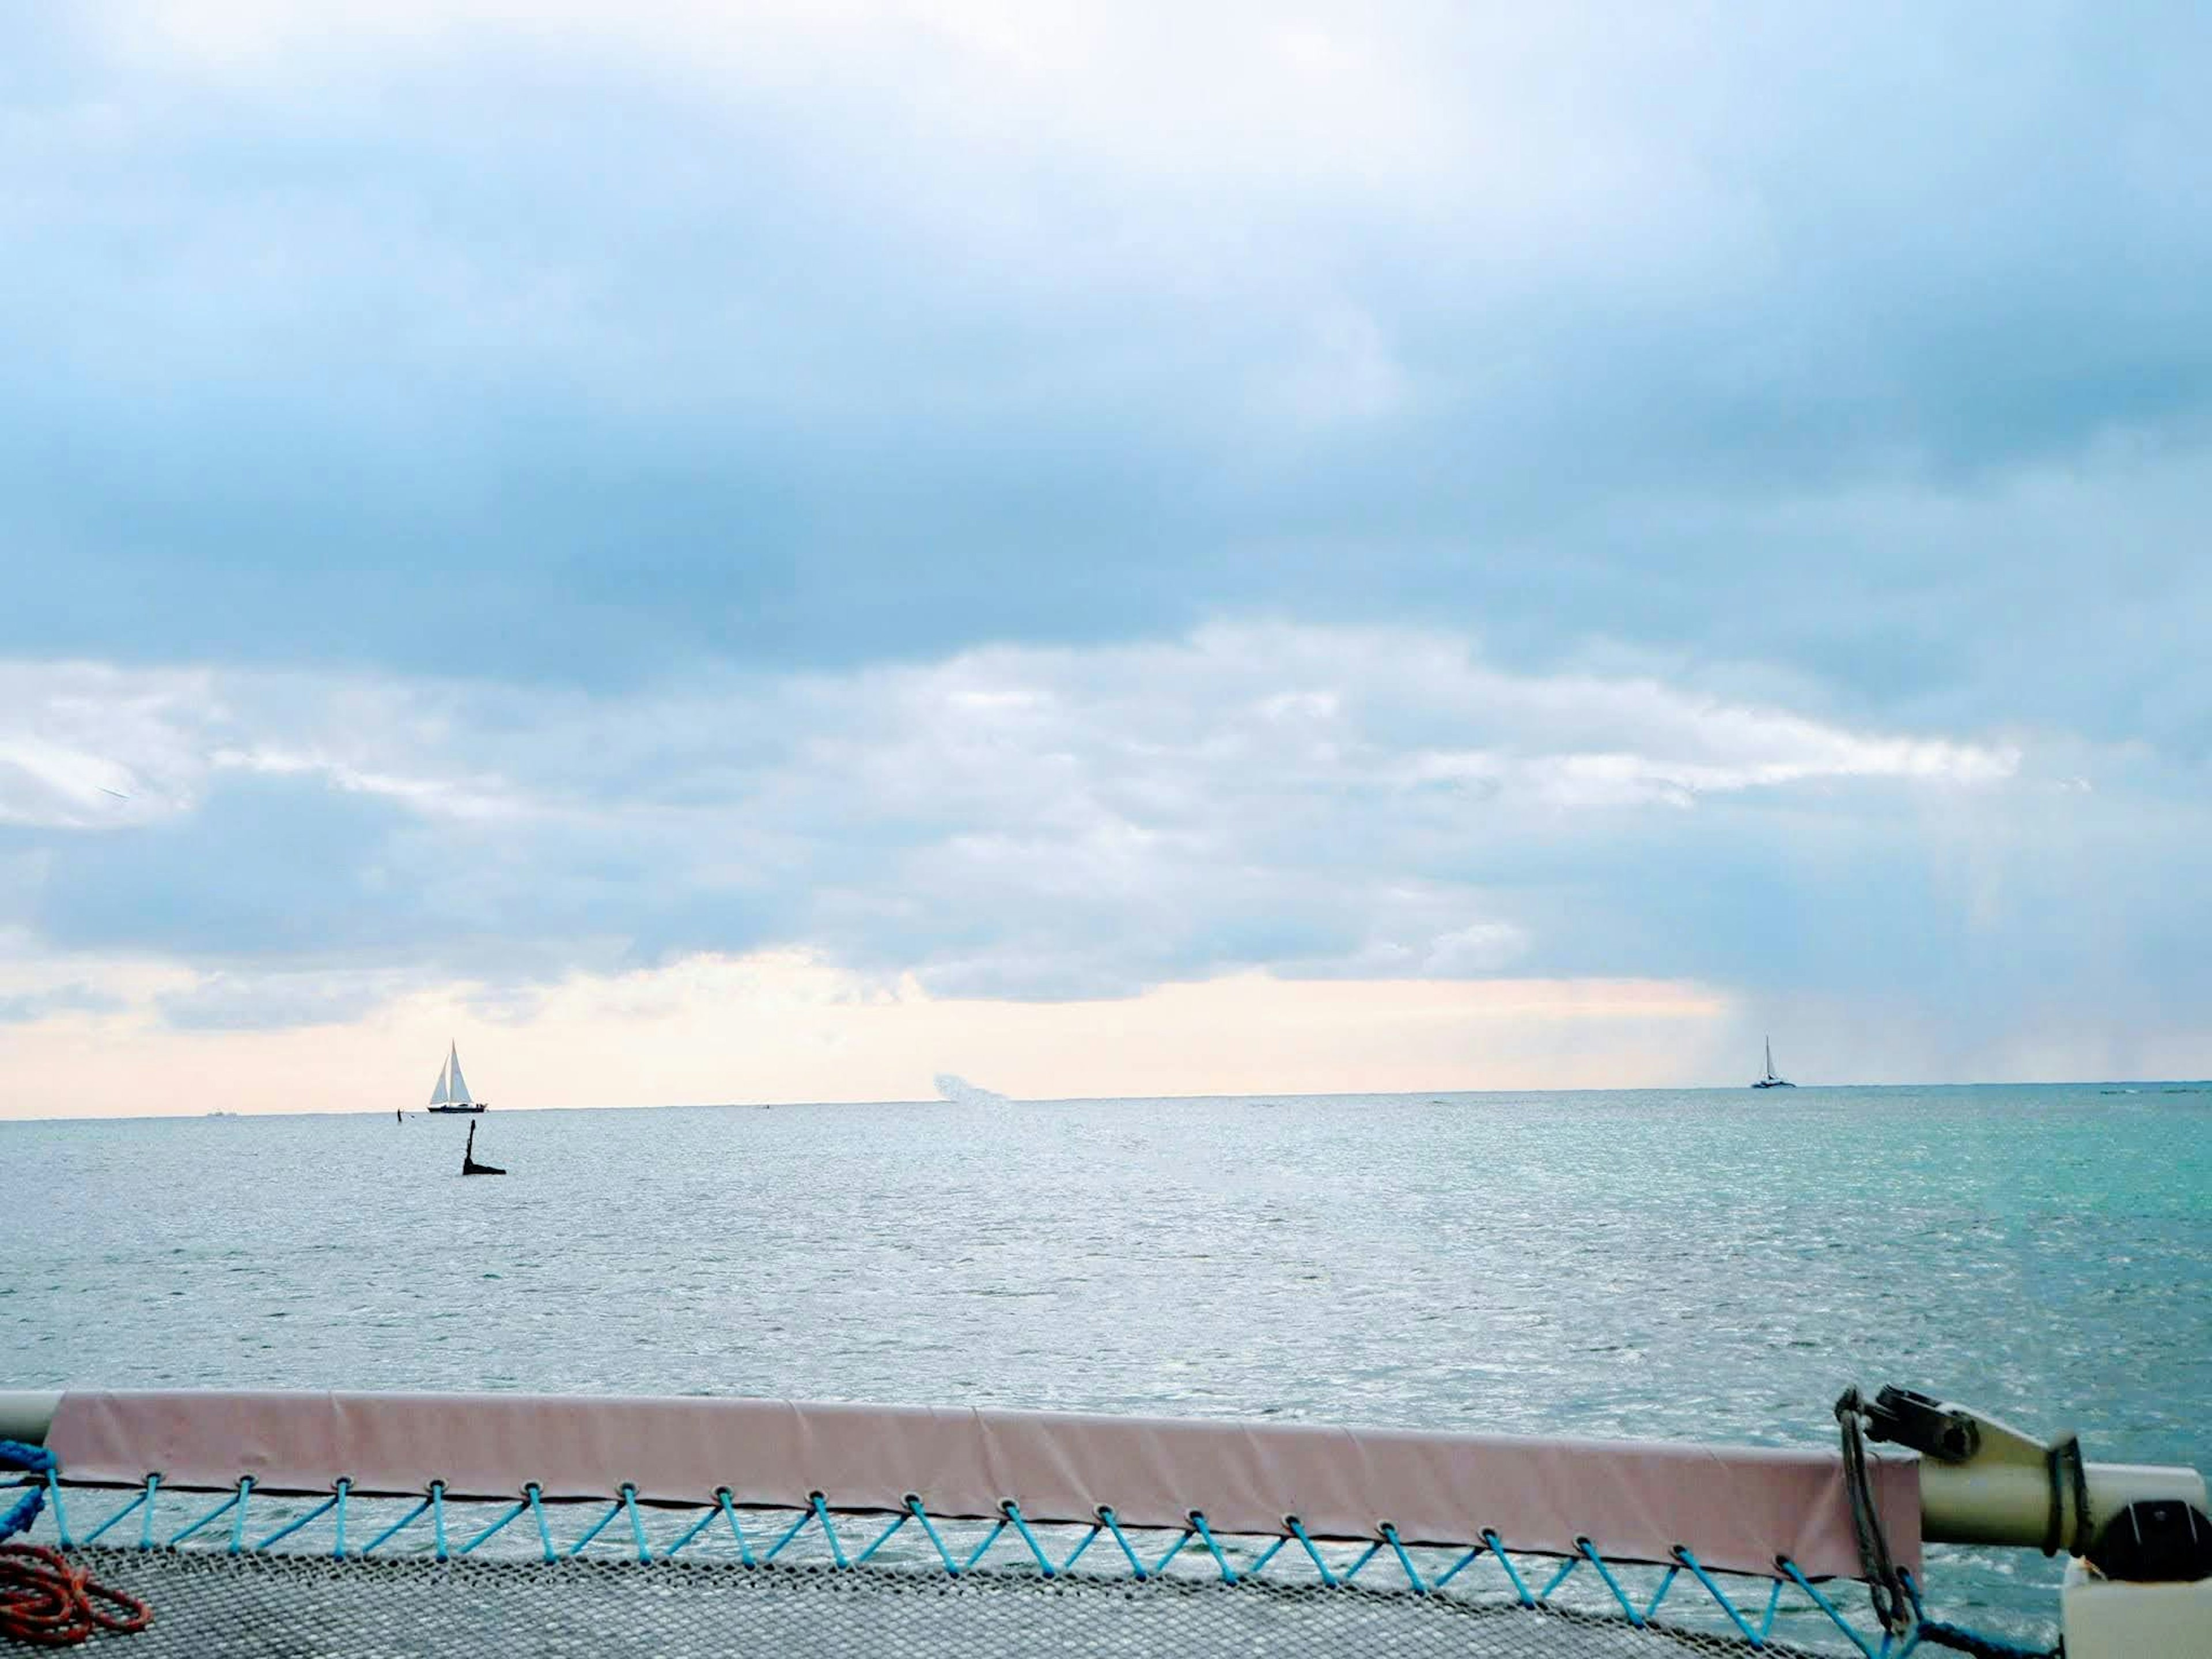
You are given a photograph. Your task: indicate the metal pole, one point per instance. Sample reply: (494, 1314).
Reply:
(1986, 1502)
(26, 1414)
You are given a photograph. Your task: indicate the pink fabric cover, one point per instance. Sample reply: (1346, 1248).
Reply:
(1736, 1507)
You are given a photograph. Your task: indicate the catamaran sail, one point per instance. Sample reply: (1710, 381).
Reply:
(451, 1093)
(1771, 1080)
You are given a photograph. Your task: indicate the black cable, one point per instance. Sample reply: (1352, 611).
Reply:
(1883, 1586)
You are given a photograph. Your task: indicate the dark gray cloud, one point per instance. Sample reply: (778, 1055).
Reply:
(554, 353)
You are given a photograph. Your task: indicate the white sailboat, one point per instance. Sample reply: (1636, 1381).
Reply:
(452, 1093)
(1771, 1080)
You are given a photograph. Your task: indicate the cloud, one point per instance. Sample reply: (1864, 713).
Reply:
(1011, 497)
(815, 336)
(1012, 821)
(84, 746)
(20, 1008)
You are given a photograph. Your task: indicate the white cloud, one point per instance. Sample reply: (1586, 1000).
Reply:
(83, 745)
(1027, 822)
(458, 798)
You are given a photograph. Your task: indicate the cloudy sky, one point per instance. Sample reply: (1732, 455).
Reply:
(767, 552)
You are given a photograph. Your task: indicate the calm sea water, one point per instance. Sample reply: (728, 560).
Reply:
(1715, 1265)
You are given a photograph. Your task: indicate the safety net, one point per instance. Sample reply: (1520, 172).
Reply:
(348, 1525)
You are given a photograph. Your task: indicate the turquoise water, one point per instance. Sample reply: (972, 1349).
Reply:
(1715, 1265)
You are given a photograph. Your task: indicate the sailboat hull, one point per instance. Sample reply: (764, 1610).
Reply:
(474, 1106)
(1773, 1083)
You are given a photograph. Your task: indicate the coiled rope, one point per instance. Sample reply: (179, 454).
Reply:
(43, 1599)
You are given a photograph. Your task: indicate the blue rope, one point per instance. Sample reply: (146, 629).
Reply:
(389, 1532)
(93, 1536)
(822, 1513)
(1611, 1583)
(913, 1508)
(1497, 1549)
(1298, 1531)
(1089, 1539)
(1957, 1636)
(216, 1513)
(1698, 1567)
(31, 1459)
(1827, 1606)
(1014, 1514)
(1660, 1595)
(1228, 1572)
(286, 1531)
(697, 1528)
(776, 1548)
(602, 1523)
(238, 1521)
(1405, 1561)
(1114, 1525)
(1460, 1566)
(533, 1491)
(989, 1539)
(498, 1525)
(1974, 1643)
(1773, 1606)
(737, 1532)
(882, 1538)
(41, 1464)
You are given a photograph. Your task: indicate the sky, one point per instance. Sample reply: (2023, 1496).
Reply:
(772, 552)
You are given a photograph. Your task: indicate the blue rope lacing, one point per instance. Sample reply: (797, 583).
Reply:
(1934, 1633)
(34, 1460)
(1685, 1568)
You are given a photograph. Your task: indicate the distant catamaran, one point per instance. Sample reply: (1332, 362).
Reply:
(1770, 1081)
(452, 1094)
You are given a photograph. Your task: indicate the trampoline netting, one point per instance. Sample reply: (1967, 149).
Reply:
(346, 1527)
(207, 1603)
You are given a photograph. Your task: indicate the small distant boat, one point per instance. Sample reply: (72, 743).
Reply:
(1773, 1080)
(469, 1164)
(452, 1093)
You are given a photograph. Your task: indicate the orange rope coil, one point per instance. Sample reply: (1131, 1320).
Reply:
(43, 1599)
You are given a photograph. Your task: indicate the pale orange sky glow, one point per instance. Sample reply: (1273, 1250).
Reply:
(784, 1027)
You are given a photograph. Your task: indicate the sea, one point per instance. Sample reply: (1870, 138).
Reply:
(1715, 1265)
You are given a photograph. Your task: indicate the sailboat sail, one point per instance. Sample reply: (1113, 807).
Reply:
(452, 1093)
(1773, 1080)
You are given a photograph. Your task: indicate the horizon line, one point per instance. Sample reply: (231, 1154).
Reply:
(2179, 1085)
